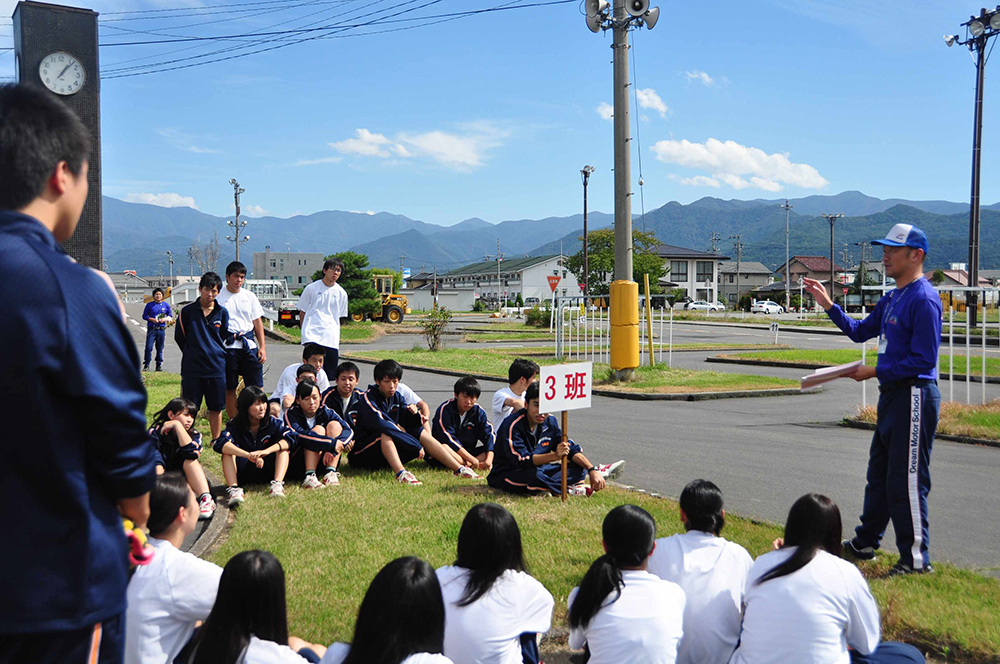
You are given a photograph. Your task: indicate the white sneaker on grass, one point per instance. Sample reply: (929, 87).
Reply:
(406, 477)
(332, 478)
(610, 471)
(467, 473)
(206, 507)
(235, 495)
(277, 489)
(310, 482)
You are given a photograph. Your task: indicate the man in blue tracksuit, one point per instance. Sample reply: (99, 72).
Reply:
(907, 322)
(157, 315)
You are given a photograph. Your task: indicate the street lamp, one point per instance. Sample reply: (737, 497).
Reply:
(978, 31)
(170, 257)
(585, 174)
(832, 218)
(786, 207)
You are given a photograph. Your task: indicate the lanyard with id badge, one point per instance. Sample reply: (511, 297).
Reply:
(883, 341)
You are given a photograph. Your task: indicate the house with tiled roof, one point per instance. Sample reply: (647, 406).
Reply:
(810, 267)
(751, 275)
(697, 272)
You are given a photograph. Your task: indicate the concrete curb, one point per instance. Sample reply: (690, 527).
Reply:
(220, 524)
(965, 440)
(631, 396)
(994, 380)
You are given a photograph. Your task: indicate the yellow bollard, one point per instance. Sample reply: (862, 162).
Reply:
(624, 327)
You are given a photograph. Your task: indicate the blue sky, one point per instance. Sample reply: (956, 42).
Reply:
(493, 116)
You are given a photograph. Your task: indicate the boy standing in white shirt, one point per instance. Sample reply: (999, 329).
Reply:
(245, 352)
(322, 304)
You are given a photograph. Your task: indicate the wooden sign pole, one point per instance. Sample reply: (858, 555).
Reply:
(565, 459)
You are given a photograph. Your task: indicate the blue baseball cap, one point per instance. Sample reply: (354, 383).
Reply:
(905, 235)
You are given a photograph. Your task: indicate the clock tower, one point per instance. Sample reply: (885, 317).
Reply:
(55, 48)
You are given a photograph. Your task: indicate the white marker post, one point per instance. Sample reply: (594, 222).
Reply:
(565, 387)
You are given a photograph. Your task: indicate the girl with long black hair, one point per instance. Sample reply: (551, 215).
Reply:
(621, 612)
(494, 609)
(807, 605)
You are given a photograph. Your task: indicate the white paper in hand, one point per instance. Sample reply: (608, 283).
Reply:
(826, 374)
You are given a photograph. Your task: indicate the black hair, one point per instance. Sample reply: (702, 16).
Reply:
(813, 523)
(235, 267)
(37, 131)
(344, 367)
(402, 614)
(701, 501)
(387, 369)
(629, 534)
(170, 493)
(250, 395)
(312, 349)
(305, 368)
(521, 368)
(531, 394)
(333, 262)
(489, 544)
(157, 290)
(177, 405)
(305, 388)
(468, 386)
(250, 601)
(210, 280)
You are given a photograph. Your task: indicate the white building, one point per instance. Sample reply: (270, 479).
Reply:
(295, 268)
(697, 272)
(525, 276)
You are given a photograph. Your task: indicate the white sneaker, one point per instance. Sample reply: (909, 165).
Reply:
(310, 482)
(206, 507)
(467, 473)
(332, 478)
(235, 495)
(579, 490)
(406, 477)
(609, 471)
(277, 489)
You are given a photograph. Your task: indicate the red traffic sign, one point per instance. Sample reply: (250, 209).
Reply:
(845, 291)
(553, 281)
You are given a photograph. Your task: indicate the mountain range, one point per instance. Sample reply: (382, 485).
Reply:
(137, 236)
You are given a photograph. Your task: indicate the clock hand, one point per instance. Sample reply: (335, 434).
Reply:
(64, 70)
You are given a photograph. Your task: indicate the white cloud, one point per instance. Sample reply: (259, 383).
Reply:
(606, 110)
(697, 181)
(313, 162)
(365, 144)
(460, 150)
(737, 165)
(368, 212)
(649, 99)
(184, 141)
(700, 76)
(162, 200)
(254, 210)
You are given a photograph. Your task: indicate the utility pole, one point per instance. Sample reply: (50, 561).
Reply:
(170, 257)
(237, 225)
(832, 218)
(191, 258)
(401, 257)
(788, 293)
(587, 170)
(434, 288)
(864, 272)
(738, 245)
(499, 257)
(715, 237)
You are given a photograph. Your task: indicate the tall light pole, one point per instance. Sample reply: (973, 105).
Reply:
(788, 295)
(585, 173)
(170, 257)
(237, 225)
(832, 218)
(978, 31)
(738, 246)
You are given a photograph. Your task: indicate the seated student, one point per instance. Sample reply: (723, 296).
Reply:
(179, 446)
(249, 622)
(385, 436)
(621, 612)
(805, 604)
(168, 597)
(248, 443)
(507, 400)
(528, 452)
(462, 425)
(344, 396)
(277, 406)
(401, 619)
(284, 393)
(711, 571)
(493, 608)
(321, 433)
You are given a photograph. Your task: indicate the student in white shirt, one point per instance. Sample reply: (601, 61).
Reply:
(249, 623)
(321, 306)
(805, 604)
(493, 608)
(167, 597)
(245, 352)
(711, 571)
(283, 396)
(400, 621)
(622, 613)
(507, 400)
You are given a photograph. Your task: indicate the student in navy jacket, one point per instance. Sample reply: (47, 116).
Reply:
(321, 432)
(464, 426)
(157, 315)
(343, 396)
(76, 452)
(202, 330)
(528, 451)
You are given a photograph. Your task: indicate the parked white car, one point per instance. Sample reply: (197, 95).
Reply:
(702, 305)
(766, 307)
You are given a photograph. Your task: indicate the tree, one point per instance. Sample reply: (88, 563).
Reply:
(206, 254)
(602, 260)
(434, 325)
(356, 279)
(938, 277)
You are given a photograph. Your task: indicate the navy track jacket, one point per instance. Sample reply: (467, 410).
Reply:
(517, 442)
(295, 420)
(476, 431)
(270, 431)
(376, 416)
(331, 399)
(202, 340)
(75, 442)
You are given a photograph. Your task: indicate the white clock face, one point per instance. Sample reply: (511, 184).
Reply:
(62, 73)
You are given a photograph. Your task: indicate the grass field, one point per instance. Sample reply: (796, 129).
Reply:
(356, 333)
(958, 419)
(331, 543)
(825, 358)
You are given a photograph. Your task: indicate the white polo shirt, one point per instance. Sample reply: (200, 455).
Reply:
(324, 306)
(287, 382)
(488, 630)
(712, 572)
(166, 598)
(260, 651)
(643, 626)
(809, 616)
(501, 412)
(244, 308)
(410, 398)
(338, 652)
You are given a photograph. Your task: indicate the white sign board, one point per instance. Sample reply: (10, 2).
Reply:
(565, 387)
